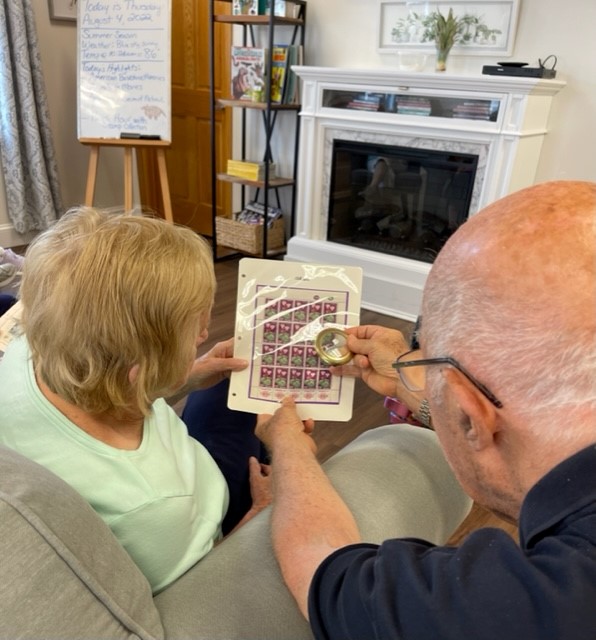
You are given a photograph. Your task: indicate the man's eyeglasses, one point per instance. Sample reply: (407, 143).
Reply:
(413, 375)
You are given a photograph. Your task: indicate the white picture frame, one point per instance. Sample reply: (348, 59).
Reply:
(498, 16)
(63, 10)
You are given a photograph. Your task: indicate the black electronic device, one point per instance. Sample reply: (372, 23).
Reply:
(523, 72)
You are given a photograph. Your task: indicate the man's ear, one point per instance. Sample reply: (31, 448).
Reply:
(482, 415)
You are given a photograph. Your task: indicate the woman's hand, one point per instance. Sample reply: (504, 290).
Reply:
(259, 476)
(260, 484)
(215, 365)
(209, 369)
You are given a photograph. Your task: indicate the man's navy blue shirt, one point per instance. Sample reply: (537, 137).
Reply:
(487, 588)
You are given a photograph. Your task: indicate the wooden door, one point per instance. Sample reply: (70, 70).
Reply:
(189, 158)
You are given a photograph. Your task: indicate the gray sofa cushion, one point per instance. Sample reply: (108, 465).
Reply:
(62, 572)
(394, 479)
(63, 575)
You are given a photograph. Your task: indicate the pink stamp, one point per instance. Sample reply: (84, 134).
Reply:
(280, 379)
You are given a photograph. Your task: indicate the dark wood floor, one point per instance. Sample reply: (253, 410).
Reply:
(368, 406)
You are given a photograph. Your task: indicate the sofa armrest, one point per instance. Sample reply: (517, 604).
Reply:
(63, 574)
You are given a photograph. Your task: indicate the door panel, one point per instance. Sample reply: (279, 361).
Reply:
(189, 158)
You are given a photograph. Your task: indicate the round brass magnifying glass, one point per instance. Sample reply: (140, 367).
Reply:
(332, 346)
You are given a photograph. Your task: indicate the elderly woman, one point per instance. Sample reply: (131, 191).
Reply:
(114, 309)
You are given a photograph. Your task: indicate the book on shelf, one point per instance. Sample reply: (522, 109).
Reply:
(473, 110)
(366, 102)
(279, 72)
(414, 106)
(292, 86)
(282, 8)
(249, 170)
(246, 7)
(248, 72)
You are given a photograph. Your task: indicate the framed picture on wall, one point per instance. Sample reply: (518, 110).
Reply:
(63, 10)
(488, 26)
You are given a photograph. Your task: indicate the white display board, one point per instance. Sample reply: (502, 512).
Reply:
(282, 307)
(124, 69)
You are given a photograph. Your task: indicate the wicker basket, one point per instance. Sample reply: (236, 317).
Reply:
(249, 237)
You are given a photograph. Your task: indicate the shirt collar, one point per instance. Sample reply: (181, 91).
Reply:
(564, 490)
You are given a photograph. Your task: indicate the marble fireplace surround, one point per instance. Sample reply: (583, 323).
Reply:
(508, 152)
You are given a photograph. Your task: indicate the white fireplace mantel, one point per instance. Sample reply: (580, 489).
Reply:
(508, 151)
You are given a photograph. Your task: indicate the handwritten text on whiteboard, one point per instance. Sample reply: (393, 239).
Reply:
(124, 68)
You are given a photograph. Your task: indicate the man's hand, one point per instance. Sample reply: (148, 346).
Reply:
(309, 521)
(376, 349)
(284, 426)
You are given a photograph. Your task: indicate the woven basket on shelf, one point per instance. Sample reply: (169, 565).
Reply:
(249, 237)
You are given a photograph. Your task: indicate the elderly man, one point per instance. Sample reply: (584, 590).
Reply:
(507, 367)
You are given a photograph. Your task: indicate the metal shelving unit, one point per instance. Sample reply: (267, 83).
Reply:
(266, 189)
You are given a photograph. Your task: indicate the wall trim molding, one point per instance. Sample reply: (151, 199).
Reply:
(10, 238)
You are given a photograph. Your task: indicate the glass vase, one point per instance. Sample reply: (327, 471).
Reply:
(442, 55)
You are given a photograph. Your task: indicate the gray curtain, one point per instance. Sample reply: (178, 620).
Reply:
(27, 151)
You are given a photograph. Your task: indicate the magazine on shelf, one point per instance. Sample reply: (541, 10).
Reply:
(246, 7)
(279, 72)
(282, 8)
(254, 213)
(248, 71)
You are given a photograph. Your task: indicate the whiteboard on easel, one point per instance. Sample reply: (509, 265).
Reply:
(124, 69)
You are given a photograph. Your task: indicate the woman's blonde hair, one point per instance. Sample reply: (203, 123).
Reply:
(103, 293)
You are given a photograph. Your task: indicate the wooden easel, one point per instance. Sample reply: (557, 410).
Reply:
(128, 145)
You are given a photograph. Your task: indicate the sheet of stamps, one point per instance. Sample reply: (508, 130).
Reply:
(282, 306)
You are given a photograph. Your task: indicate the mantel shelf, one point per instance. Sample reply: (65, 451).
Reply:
(406, 80)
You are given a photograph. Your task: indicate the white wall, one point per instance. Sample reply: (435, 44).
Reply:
(57, 41)
(344, 33)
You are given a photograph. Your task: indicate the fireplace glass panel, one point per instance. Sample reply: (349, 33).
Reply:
(398, 200)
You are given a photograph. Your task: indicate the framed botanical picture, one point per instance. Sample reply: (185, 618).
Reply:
(63, 10)
(487, 27)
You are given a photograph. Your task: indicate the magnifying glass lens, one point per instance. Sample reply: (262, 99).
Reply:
(332, 346)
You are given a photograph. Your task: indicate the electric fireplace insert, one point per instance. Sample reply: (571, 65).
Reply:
(398, 200)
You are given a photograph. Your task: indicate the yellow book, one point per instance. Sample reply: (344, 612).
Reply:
(249, 170)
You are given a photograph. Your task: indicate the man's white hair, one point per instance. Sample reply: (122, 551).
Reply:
(525, 360)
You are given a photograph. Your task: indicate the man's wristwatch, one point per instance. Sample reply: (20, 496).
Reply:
(424, 414)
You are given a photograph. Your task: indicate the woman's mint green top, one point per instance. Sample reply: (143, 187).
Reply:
(165, 501)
